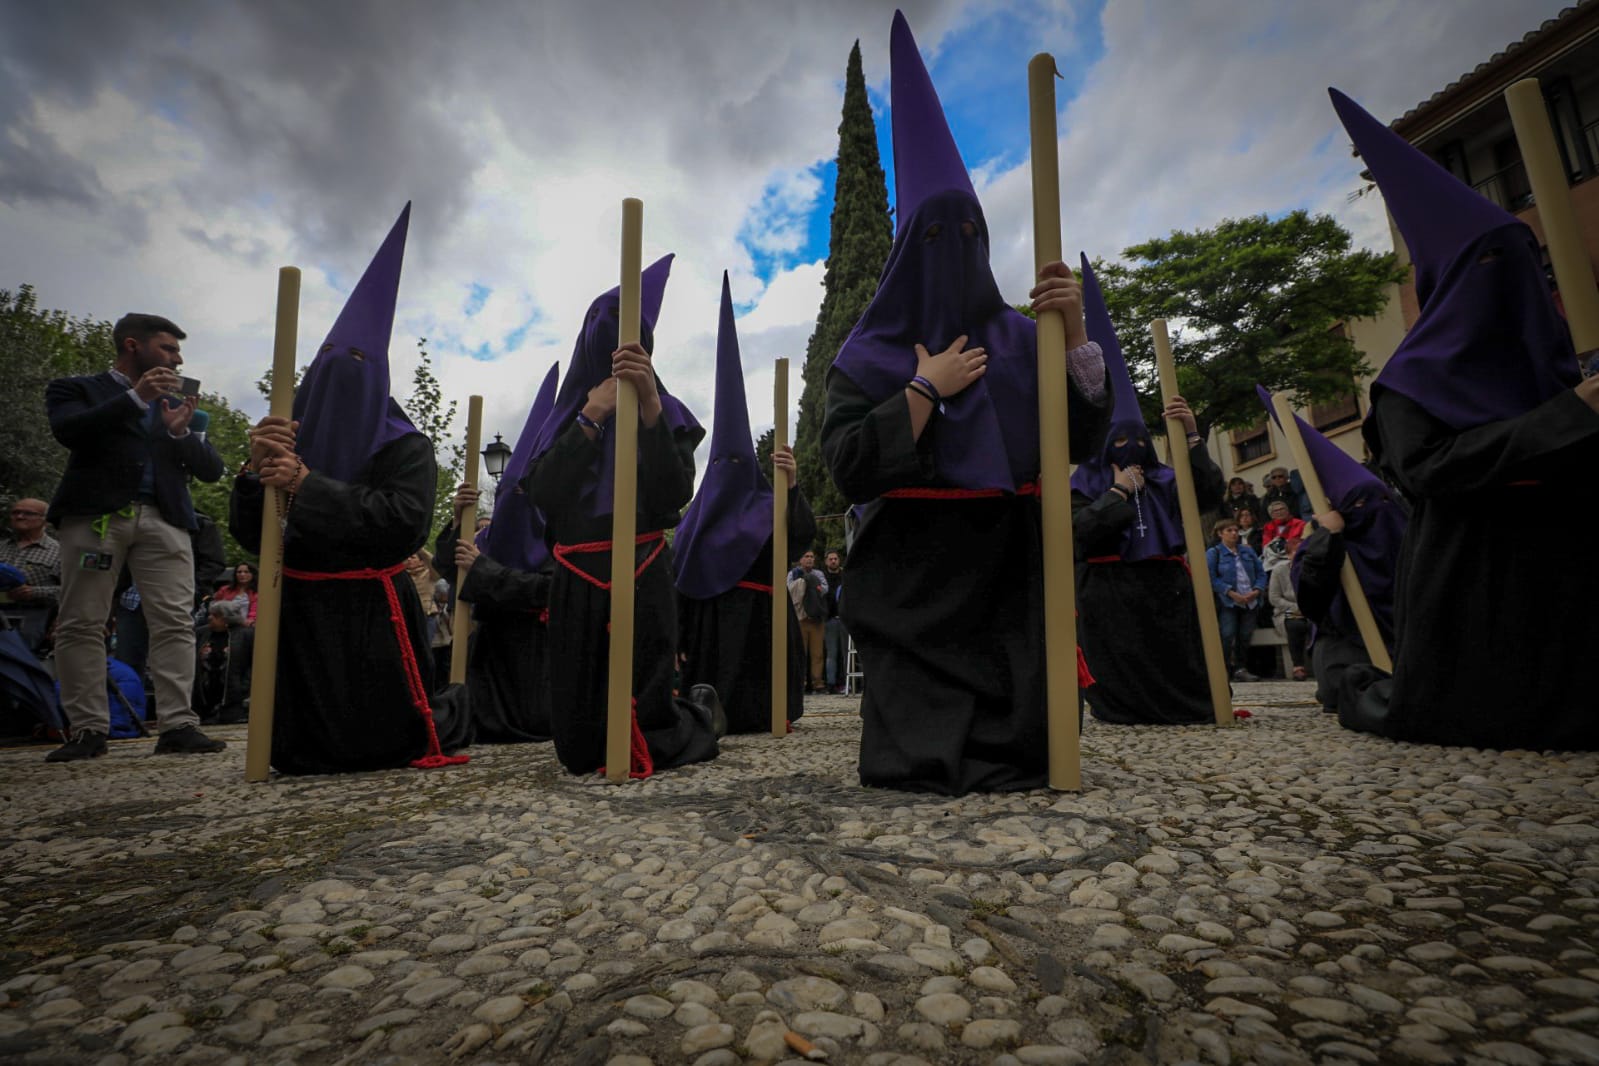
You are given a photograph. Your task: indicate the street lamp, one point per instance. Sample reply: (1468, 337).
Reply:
(495, 456)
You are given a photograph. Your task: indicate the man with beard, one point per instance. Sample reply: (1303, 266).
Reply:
(124, 499)
(945, 595)
(1482, 418)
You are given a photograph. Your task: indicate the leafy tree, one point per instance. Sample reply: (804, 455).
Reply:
(858, 246)
(227, 431)
(435, 418)
(36, 346)
(1254, 300)
(763, 452)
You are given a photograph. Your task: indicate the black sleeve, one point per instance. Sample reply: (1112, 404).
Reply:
(1209, 485)
(1087, 423)
(801, 520)
(491, 585)
(210, 558)
(666, 468)
(384, 516)
(1431, 458)
(244, 512)
(193, 453)
(1097, 525)
(557, 476)
(868, 447)
(1320, 564)
(444, 549)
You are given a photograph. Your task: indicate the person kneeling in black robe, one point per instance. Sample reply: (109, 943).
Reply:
(572, 485)
(354, 667)
(723, 550)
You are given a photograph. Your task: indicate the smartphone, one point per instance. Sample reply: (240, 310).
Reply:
(189, 386)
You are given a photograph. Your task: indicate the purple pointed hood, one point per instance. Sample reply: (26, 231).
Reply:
(1127, 443)
(591, 364)
(936, 286)
(516, 536)
(1374, 522)
(1489, 343)
(343, 405)
(730, 519)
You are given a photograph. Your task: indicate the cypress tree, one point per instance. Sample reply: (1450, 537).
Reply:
(858, 246)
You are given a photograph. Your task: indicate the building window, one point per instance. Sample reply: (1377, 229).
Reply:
(1251, 444)
(1452, 157)
(1565, 116)
(1338, 413)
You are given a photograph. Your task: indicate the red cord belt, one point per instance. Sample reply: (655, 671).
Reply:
(435, 756)
(1028, 489)
(561, 551)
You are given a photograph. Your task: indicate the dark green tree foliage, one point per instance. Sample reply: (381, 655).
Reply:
(858, 246)
(36, 346)
(763, 452)
(1253, 300)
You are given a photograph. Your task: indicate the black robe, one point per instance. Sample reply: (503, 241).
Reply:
(945, 605)
(505, 667)
(1333, 650)
(726, 640)
(677, 731)
(1489, 635)
(1137, 621)
(343, 700)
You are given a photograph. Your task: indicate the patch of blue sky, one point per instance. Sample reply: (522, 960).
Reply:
(780, 231)
(477, 294)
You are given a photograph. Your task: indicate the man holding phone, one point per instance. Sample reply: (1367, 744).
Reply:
(135, 439)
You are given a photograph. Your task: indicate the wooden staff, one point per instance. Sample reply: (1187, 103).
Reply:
(1547, 175)
(468, 531)
(782, 612)
(1221, 697)
(1054, 445)
(269, 593)
(624, 518)
(1354, 595)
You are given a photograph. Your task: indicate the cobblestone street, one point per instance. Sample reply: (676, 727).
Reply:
(1279, 892)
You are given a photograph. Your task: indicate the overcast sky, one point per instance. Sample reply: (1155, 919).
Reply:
(170, 156)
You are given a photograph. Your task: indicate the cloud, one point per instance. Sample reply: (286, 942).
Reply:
(169, 156)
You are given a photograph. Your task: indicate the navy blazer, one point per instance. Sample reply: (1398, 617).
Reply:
(105, 431)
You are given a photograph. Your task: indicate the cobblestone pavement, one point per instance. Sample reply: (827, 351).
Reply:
(1278, 892)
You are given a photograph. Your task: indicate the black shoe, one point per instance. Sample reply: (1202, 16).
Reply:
(706, 697)
(85, 744)
(187, 740)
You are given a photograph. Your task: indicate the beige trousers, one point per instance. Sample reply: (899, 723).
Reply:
(161, 559)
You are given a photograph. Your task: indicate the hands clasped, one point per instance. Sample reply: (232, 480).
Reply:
(272, 453)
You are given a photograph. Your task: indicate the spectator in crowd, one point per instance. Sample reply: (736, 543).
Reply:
(223, 662)
(1248, 530)
(242, 588)
(1278, 487)
(808, 589)
(836, 636)
(1283, 525)
(572, 485)
(1240, 583)
(442, 630)
(124, 500)
(1286, 617)
(38, 556)
(1239, 498)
